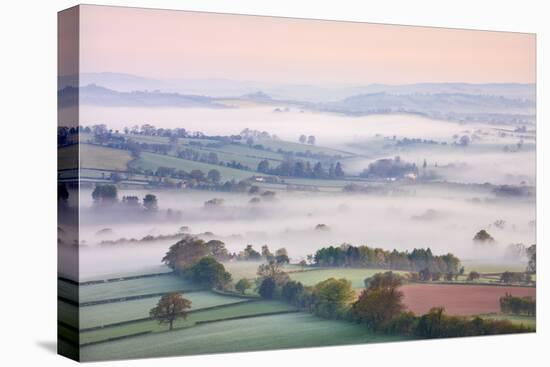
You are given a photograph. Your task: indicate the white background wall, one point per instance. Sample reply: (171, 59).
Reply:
(28, 184)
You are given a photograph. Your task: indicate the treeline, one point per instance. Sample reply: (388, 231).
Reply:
(298, 168)
(417, 260)
(518, 305)
(389, 168)
(379, 307)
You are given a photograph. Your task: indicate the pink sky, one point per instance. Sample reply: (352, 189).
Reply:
(178, 44)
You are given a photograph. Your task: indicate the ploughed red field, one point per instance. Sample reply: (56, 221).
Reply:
(459, 299)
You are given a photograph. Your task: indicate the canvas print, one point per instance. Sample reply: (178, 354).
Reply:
(232, 183)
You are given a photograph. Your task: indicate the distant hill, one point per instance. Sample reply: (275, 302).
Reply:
(96, 95)
(449, 106)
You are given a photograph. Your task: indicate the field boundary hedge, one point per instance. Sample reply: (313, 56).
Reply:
(474, 283)
(246, 316)
(121, 279)
(116, 338)
(235, 294)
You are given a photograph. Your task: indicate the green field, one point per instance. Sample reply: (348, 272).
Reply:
(296, 330)
(93, 156)
(142, 271)
(356, 276)
(487, 267)
(229, 311)
(248, 269)
(110, 313)
(297, 147)
(528, 321)
(134, 287)
(153, 161)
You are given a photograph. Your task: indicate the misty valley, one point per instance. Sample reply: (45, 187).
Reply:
(322, 226)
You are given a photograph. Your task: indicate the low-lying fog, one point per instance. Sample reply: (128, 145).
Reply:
(444, 220)
(328, 128)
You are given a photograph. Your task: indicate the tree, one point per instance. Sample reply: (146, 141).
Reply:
(332, 295)
(425, 275)
(217, 249)
(473, 276)
(214, 176)
(267, 254)
(242, 285)
(267, 288)
(464, 140)
(250, 254)
(170, 307)
(302, 139)
(274, 271)
(281, 256)
(291, 290)
(150, 202)
(532, 254)
(318, 171)
(380, 302)
(263, 166)
(483, 237)
(302, 264)
(197, 174)
(209, 272)
(338, 170)
(311, 140)
(185, 253)
(105, 194)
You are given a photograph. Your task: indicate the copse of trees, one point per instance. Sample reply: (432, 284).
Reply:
(299, 168)
(150, 202)
(389, 168)
(515, 277)
(347, 255)
(208, 272)
(189, 250)
(105, 194)
(518, 305)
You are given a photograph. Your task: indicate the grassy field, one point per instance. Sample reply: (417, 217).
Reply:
(110, 313)
(134, 287)
(487, 267)
(93, 156)
(143, 271)
(297, 147)
(237, 310)
(356, 276)
(296, 330)
(153, 161)
(248, 269)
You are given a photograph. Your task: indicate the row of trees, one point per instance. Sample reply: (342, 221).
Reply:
(517, 305)
(298, 168)
(347, 255)
(379, 307)
(108, 194)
